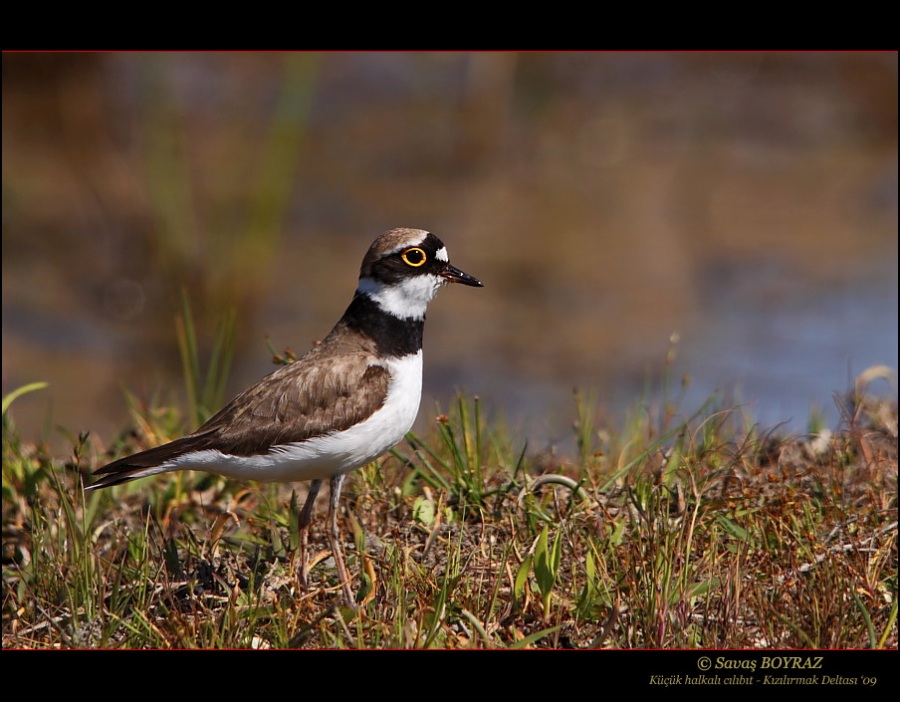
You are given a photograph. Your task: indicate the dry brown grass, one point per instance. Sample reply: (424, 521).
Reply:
(702, 535)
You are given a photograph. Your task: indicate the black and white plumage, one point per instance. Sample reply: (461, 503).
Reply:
(335, 409)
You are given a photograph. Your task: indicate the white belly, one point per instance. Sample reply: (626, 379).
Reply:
(329, 454)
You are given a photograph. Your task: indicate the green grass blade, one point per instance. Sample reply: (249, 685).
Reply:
(18, 392)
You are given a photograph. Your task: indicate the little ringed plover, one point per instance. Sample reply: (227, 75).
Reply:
(337, 408)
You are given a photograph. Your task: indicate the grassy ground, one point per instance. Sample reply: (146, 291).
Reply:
(671, 531)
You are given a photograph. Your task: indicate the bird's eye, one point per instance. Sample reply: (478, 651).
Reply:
(414, 257)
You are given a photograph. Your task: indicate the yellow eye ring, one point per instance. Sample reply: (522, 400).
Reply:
(414, 257)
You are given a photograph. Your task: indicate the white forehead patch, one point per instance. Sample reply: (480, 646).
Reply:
(441, 254)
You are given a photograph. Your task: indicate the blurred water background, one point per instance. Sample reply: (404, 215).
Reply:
(743, 204)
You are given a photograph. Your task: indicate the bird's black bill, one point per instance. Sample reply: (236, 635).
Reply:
(452, 274)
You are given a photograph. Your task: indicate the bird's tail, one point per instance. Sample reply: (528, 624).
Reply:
(160, 459)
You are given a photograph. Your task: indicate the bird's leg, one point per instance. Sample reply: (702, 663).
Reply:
(337, 482)
(303, 530)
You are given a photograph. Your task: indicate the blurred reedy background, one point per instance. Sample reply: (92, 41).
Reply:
(746, 202)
